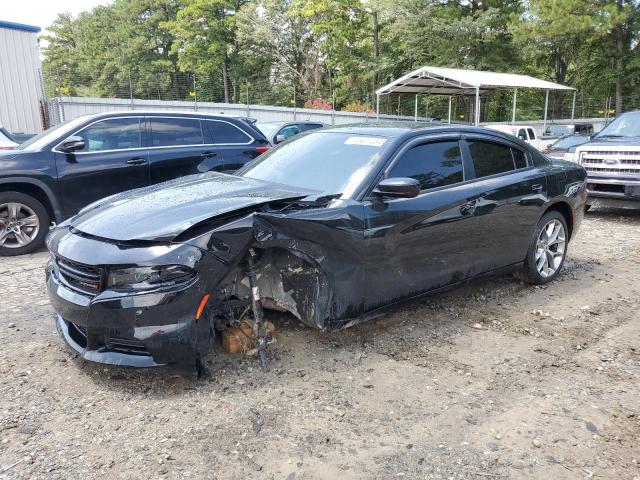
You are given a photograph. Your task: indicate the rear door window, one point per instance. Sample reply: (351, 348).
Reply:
(519, 158)
(217, 132)
(532, 134)
(490, 158)
(169, 132)
(432, 164)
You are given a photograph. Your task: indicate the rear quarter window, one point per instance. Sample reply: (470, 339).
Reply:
(216, 131)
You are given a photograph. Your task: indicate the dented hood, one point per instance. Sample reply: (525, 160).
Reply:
(163, 211)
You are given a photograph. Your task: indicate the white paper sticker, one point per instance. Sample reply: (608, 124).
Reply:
(366, 141)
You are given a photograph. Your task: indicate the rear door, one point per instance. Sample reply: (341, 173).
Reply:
(508, 195)
(177, 148)
(236, 146)
(112, 161)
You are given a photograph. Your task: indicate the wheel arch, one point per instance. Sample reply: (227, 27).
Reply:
(37, 190)
(292, 281)
(564, 208)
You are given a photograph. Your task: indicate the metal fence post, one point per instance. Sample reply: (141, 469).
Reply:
(195, 93)
(131, 90)
(248, 106)
(294, 102)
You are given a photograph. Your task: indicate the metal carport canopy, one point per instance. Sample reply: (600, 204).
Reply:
(456, 81)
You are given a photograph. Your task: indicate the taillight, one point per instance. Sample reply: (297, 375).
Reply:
(262, 149)
(7, 148)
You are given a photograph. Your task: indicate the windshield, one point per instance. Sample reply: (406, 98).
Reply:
(268, 128)
(570, 141)
(626, 125)
(41, 140)
(329, 162)
(559, 129)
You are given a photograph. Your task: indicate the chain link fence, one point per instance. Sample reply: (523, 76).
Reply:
(198, 91)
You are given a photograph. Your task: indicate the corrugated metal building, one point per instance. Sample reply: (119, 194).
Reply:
(20, 78)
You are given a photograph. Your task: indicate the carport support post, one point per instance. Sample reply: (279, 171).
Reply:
(415, 113)
(546, 105)
(513, 114)
(449, 109)
(573, 105)
(377, 107)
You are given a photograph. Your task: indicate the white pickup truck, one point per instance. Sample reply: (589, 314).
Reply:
(526, 133)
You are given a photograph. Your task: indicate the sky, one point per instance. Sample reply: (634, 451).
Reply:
(42, 12)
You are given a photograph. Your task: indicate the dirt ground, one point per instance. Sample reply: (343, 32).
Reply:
(494, 380)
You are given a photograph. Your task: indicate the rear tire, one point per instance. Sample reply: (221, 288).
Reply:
(548, 249)
(24, 224)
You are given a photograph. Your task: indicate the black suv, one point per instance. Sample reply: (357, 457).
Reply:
(53, 175)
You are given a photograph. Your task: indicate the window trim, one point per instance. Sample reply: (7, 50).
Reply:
(145, 131)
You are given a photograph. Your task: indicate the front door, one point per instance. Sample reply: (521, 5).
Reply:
(113, 160)
(416, 244)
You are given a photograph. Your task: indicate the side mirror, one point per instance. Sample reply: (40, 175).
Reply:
(549, 145)
(400, 187)
(280, 138)
(72, 143)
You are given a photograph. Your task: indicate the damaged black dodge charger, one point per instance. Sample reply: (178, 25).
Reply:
(333, 227)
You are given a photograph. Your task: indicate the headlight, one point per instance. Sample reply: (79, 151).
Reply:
(147, 278)
(570, 157)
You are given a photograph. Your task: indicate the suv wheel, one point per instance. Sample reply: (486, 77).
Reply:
(548, 249)
(24, 223)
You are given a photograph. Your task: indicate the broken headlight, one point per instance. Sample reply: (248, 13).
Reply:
(146, 278)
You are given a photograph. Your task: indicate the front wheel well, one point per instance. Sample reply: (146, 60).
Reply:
(566, 211)
(33, 191)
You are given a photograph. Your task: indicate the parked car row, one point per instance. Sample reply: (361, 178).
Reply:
(51, 176)
(334, 227)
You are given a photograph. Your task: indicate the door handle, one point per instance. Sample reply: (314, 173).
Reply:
(536, 188)
(208, 154)
(136, 161)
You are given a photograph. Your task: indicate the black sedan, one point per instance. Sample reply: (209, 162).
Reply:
(334, 228)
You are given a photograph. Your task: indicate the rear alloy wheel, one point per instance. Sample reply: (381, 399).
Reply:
(24, 223)
(547, 252)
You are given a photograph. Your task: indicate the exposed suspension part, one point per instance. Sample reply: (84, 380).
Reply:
(260, 330)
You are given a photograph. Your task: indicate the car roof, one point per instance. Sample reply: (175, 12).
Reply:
(401, 129)
(292, 121)
(162, 113)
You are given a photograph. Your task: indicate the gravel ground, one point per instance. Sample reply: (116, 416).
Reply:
(494, 380)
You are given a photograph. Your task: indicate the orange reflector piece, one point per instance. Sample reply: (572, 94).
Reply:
(203, 302)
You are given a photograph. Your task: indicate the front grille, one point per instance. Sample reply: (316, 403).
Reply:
(611, 161)
(612, 170)
(83, 278)
(126, 345)
(129, 346)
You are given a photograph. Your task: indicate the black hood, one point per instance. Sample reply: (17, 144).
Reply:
(163, 211)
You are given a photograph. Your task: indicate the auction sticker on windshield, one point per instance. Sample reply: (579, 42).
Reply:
(366, 141)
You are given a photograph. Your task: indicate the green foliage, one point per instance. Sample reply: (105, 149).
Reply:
(286, 52)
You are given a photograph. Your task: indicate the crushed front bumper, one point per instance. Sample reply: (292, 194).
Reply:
(137, 330)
